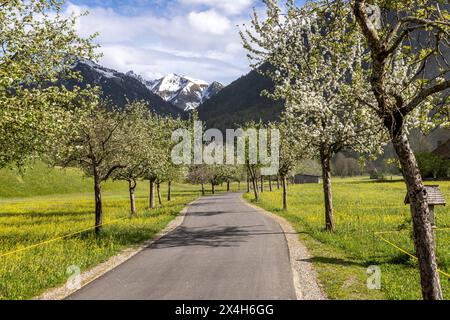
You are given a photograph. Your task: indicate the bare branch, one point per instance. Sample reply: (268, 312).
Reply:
(111, 171)
(421, 96)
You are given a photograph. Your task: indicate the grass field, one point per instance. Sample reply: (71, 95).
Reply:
(47, 203)
(362, 207)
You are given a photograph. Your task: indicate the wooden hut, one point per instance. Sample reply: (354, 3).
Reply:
(305, 178)
(443, 150)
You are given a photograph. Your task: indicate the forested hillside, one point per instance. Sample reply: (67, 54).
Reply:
(241, 102)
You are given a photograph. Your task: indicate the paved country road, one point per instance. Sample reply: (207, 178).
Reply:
(224, 249)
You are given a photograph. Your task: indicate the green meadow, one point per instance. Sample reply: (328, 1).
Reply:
(362, 208)
(41, 204)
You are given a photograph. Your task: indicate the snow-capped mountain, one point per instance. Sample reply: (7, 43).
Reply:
(172, 94)
(134, 75)
(213, 89)
(183, 92)
(119, 88)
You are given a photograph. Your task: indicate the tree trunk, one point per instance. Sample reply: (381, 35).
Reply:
(278, 182)
(328, 196)
(262, 183)
(132, 188)
(255, 188)
(284, 181)
(228, 186)
(213, 188)
(423, 234)
(98, 203)
(270, 184)
(248, 185)
(152, 193)
(394, 121)
(169, 190)
(158, 189)
(203, 189)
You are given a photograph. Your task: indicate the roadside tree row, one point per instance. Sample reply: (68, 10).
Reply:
(356, 73)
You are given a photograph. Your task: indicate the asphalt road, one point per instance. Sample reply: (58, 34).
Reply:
(224, 249)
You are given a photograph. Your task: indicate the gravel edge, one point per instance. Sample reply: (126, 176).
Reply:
(94, 273)
(306, 283)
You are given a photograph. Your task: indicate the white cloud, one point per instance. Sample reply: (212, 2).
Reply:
(231, 7)
(153, 64)
(204, 45)
(209, 22)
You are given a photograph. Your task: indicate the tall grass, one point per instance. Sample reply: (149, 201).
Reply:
(32, 211)
(362, 207)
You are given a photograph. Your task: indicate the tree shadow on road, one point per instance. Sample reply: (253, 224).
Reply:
(206, 213)
(213, 236)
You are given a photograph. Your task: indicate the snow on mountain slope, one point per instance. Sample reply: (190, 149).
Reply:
(212, 90)
(102, 71)
(183, 92)
(118, 88)
(172, 94)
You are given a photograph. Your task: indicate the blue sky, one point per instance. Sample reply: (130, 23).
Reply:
(198, 38)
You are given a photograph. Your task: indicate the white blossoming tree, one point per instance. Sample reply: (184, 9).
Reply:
(95, 147)
(139, 147)
(311, 74)
(408, 74)
(293, 149)
(38, 45)
(163, 169)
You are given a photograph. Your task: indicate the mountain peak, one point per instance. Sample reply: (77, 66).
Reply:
(184, 92)
(132, 74)
(118, 88)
